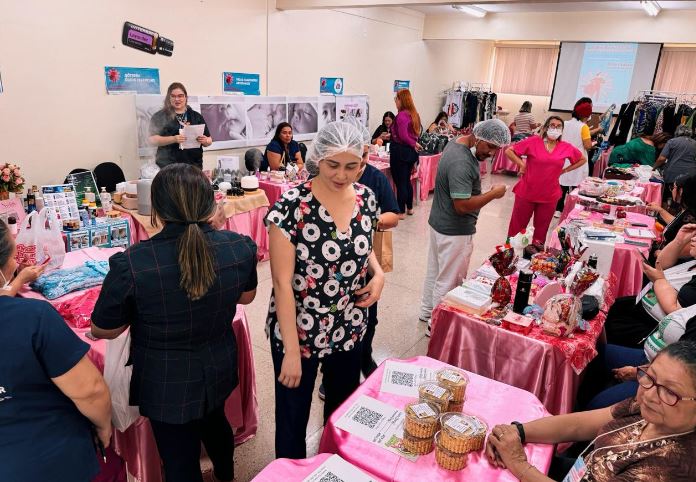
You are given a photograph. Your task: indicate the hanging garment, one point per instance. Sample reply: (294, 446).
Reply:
(645, 119)
(669, 124)
(453, 107)
(619, 134)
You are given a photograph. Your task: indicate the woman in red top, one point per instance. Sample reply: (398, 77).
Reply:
(538, 190)
(404, 149)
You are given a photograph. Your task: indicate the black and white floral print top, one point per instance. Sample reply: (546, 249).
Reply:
(330, 266)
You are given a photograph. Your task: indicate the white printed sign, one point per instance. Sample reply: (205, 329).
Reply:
(335, 469)
(403, 378)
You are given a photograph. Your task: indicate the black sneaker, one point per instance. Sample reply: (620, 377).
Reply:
(322, 394)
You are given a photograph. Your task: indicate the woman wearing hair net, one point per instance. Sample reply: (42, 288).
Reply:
(456, 205)
(321, 254)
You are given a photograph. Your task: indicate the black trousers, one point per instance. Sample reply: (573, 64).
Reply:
(561, 201)
(628, 323)
(368, 364)
(179, 447)
(402, 158)
(341, 378)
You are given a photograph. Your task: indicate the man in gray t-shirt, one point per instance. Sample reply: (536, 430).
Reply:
(455, 209)
(679, 154)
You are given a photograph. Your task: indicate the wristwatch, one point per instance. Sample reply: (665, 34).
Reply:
(520, 430)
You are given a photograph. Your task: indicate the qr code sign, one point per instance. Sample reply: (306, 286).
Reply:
(367, 417)
(403, 379)
(330, 477)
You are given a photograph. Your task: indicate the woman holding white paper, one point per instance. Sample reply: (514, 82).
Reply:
(166, 128)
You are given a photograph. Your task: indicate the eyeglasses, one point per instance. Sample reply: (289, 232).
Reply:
(178, 96)
(665, 394)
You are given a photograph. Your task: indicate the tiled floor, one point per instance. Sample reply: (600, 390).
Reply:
(399, 333)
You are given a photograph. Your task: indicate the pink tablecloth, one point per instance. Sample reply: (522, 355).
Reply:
(382, 163)
(574, 196)
(502, 164)
(288, 470)
(494, 402)
(627, 263)
(427, 172)
(274, 190)
(250, 223)
(602, 163)
(544, 365)
(137, 445)
(652, 192)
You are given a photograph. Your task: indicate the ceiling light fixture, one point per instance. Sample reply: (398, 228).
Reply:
(650, 7)
(473, 11)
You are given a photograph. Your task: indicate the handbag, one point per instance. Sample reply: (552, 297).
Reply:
(117, 375)
(383, 248)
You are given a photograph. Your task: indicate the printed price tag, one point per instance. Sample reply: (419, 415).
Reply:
(435, 390)
(423, 410)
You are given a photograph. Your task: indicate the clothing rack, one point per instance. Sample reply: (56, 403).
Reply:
(462, 86)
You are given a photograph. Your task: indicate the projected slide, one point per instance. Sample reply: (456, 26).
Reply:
(606, 72)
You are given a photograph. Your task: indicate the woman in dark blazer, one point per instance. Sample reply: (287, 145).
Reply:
(178, 293)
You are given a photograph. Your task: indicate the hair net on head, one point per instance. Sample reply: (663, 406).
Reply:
(333, 138)
(493, 131)
(349, 119)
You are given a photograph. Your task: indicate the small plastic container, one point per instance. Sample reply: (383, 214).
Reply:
(432, 392)
(422, 419)
(416, 445)
(461, 433)
(457, 406)
(456, 381)
(446, 458)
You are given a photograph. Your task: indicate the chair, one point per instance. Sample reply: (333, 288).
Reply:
(252, 160)
(303, 151)
(108, 174)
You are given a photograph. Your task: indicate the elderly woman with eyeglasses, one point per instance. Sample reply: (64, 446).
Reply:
(647, 438)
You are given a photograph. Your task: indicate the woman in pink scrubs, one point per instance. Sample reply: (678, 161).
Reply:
(538, 190)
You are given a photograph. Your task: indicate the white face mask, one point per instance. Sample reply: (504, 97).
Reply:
(473, 151)
(554, 134)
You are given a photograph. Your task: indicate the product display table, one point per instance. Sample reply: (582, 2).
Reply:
(425, 174)
(544, 365)
(648, 192)
(502, 164)
(289, 470)
(493, 402)
(627, 262)
(274, 190)
(244, 215)
(137, 445)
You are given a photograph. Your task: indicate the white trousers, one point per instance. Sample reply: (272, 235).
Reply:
(448, 263)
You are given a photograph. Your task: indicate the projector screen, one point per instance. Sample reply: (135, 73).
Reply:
(608, 73)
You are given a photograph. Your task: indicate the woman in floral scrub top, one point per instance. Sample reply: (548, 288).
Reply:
(321, 253)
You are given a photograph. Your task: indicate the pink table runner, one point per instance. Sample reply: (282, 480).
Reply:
(137, 445)
(494, 402)
(574, 196)
(627, 263)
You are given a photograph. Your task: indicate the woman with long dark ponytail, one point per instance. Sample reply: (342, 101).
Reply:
(178, 292)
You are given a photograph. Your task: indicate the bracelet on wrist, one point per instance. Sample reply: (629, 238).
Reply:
(520, 430)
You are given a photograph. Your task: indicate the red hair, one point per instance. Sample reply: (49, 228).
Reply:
(406, 100)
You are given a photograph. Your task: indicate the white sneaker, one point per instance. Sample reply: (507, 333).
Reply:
(557, 214)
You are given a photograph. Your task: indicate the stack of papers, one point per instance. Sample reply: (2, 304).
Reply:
(639, 233)
(336, 469)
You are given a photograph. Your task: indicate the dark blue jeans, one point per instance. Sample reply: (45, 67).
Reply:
(341, 378)
(616, 356)
(402, 158)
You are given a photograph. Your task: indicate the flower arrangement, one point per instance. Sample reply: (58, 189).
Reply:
(11, 179)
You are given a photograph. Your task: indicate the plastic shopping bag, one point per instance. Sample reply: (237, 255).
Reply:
(118, 376)
(26, 240)
(50, 240)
